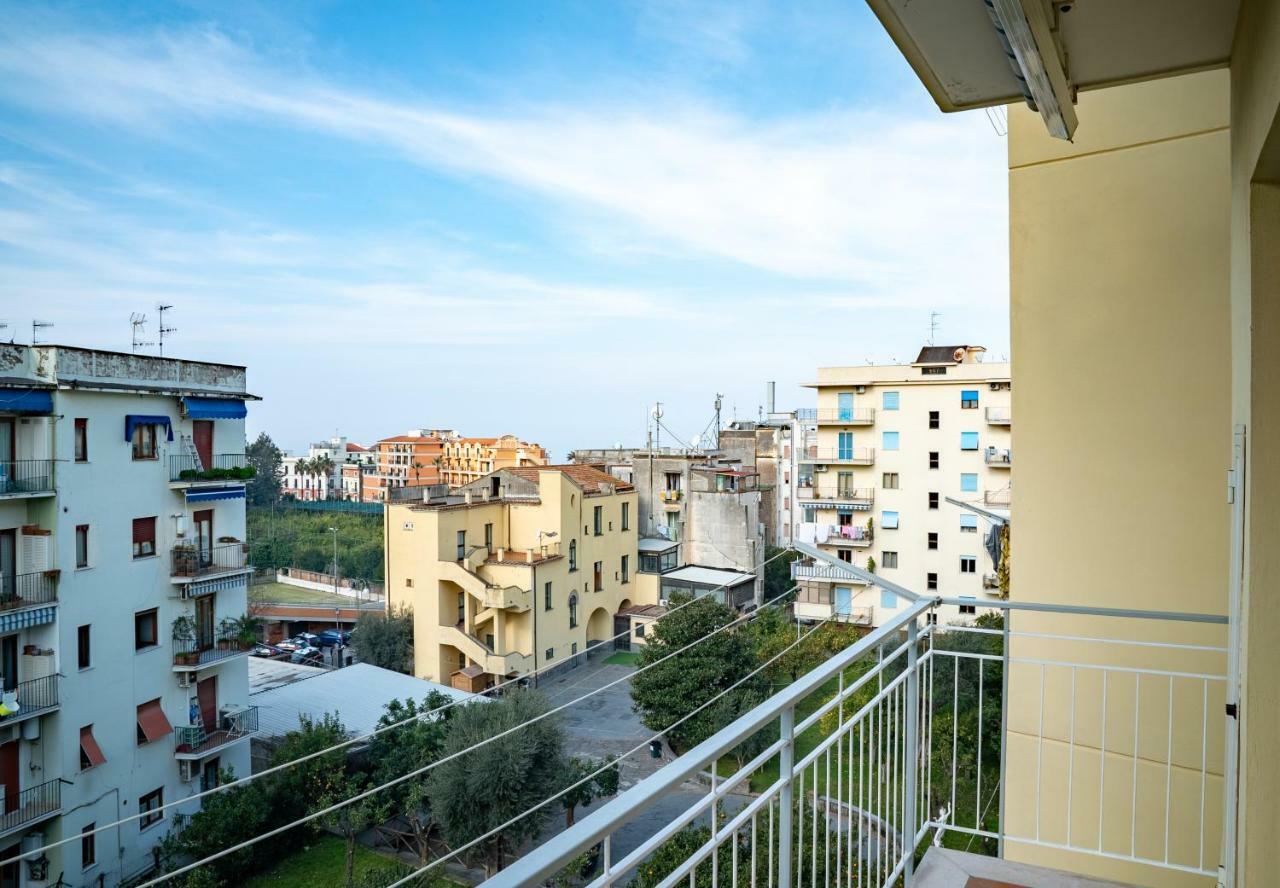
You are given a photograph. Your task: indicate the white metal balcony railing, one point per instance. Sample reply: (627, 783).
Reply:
(836, 493)
(906, 736)
(846, 416)
(851, 456)
(1000, 415)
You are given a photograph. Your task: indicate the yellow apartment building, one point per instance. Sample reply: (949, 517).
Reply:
(892, 444)
(524, 569)
(463, 460)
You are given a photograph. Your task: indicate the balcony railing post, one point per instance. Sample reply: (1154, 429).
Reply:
(786, 764)
(913, 756)
(1004, 723)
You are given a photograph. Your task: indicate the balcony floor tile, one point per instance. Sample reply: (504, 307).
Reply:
(945, 868)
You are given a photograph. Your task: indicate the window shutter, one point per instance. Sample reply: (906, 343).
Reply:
(144, 529)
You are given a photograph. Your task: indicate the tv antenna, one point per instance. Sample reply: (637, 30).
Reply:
(933, 326)
(36, 327)
(161, 308)
(138, 321)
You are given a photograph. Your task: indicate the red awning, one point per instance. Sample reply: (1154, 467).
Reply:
(152, 721)
(89, 750)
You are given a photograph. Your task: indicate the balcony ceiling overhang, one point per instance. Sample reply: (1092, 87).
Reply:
(956, 51)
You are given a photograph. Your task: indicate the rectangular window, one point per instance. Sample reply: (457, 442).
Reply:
(640, 631)
(888, 559)
(968, 440)
(933, 540)
(573, 554)
(152, 724)
(844, 445)
(933, 459)
(888, 599)
(672, 480)
(844, 406)
(889, 520)
(82, 440)
(626, 568)
(88, 852)
(931, 582)
(488, 538)
(890, 481)
(969, 399)
(90, 752)
(82, 545)
(598, 519)
(626, 516)
(969, 523)
(933, 499)
(144, 537)
(890, 440)
(150, 808)
(462, 546)
(935, 419)
(144, 441)
(546, 596)
(969, 482)
(968, 608)
(968, 564)
(145, 629)
(84, 652)
(549, 654)
(890, 401)
(598, 576)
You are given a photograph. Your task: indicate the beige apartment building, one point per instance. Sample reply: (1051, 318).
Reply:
(893, 443)
(463, 460)
(523, 569)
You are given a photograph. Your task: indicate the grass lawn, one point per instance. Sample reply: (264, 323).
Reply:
(320, 863)
(282, 593)
(623, 658)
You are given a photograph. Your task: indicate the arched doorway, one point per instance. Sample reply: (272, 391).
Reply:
(599, 626)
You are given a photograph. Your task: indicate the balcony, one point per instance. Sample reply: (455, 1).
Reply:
(670, 497)
(855, 456)
(22, 478)
(189, 562)
(999, 416)
(861, 416)
(227, 468)
(990, 581)
(861, 497)
(194, 742)
(35, 697)
(28, 590)
(826, 572)
(857, 536)
(999, 459)
(920, 738)
(999, 498)
(511, 598)
(31, 806)
(192, 655)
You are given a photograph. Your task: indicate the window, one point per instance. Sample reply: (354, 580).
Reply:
(144, 537)
(573, 554)
(933, 540)
(408, 582)
(597, 576)
(598, 519)
(82, 545)
(969, 399)
(933, 499)
(933, 459)
(144, 441)
(931, 582)
(88, 853)
(573, 649)
(890, 440)
(150, 807)
(82, 440)
(673, 480)
(640, 631)
(549, 654)
(888, 559)
(890, 481)
(968, 440)
(968, 564)
(461, 554)
(844, 445)
(488, 538)
(144, 629)
(626, 568)
(888, 599)
(573, 610)
(935, 419)
(626, 516)
(546, 596)
(890, 401)
(151, 722)
(933, 371)
(844, 406)
(845, 555)
(969, 482)
(84, 654)
(889, 520)
(968, 608)
(90, 752)
(968, 523)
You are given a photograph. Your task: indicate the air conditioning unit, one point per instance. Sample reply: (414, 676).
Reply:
(860, 389)
(186, 679)
(995, 386)
(819, 468)
(186, 770)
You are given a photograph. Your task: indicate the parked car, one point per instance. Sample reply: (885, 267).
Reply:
(301, 640)
(265, 650)
(330, 637)
(308, 656)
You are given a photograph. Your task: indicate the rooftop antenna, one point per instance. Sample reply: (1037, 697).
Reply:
(933, 326)
(719, 402)
(36, 327)
(161, 308)
(139, 322)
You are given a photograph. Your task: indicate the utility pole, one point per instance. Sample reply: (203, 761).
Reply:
(719, 402)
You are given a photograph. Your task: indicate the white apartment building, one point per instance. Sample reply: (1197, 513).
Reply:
(892, 444)
(342, 481)
(122, 565)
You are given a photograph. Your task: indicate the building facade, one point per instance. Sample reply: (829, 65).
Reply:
(122, 572)
(522, 570)
(408, 460)
(464, 460)
(892, 444)
(346, 462)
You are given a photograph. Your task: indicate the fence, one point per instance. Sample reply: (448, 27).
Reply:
(331, 505)
(26, 476)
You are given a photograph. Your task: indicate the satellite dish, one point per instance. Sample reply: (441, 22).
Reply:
(657, 411)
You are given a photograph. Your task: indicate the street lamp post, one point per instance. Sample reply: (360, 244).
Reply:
(334, 531)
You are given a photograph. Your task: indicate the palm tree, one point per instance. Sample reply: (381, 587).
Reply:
(417, 471)
(322, 467)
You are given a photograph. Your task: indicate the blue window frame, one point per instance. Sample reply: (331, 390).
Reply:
(844, 404)
(844, 600)
(969, 482)
(969, 399)
(889, 520)
(968, 440)
(889, 441)
(888, 599)
(969, 522)
(890, 401)
(845, 445)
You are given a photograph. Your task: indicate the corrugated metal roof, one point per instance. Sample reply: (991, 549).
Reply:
(713, 576)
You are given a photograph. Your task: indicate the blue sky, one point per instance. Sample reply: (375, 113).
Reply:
(527, 217)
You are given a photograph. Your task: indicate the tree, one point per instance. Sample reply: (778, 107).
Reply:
(777, 571)
(491, 784)
(409, 747)
(224, 819)
(418, 466)
(603, 784)
(263, 488)
(353, 818)
(385, 641)
(297, 786)
(672, 689)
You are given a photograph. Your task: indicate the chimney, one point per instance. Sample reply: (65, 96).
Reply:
(502, 554)
(466, 497)
(528, 553)
(769, 390)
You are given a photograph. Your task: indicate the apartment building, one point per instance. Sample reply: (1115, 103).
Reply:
(122, 573)
(346, 460)
(408, 460)
(523, 569)
(464, 460)
(892, 444)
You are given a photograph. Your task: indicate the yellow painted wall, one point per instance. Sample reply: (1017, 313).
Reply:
(1119, 260)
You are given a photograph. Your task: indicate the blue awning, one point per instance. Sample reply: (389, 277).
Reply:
(20, 400)
(202, 494)
(214, 408)
(133, 420)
